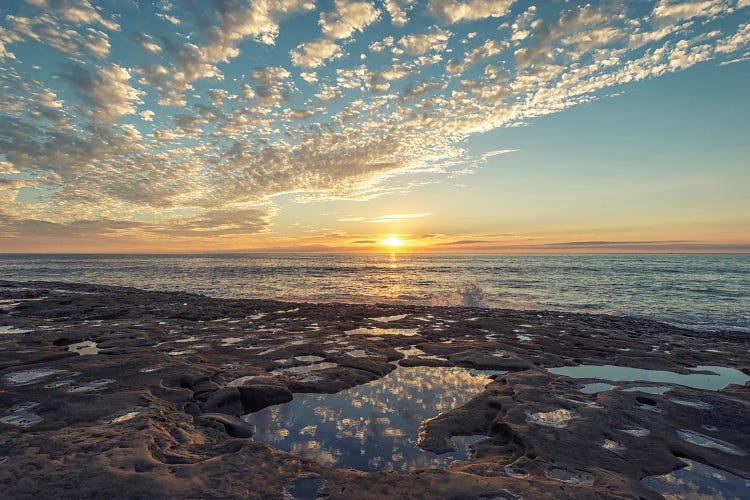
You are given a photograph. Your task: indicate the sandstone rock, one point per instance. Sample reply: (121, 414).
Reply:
(232, 425)
(258, 396)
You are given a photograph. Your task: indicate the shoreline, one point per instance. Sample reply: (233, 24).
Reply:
(689, 329)
(157, 404)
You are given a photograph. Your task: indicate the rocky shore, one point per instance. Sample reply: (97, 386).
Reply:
(123, 393)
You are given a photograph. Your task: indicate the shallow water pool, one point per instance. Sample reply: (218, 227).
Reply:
(373, 426)
(697, 480)
(719, 377)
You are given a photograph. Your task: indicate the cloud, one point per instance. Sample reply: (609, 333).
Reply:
(234, 145)
(109, 91)
(315, 53)
(77, 12)
(147, 42)
(497, 152)
(571, 23)
(348, 17)
(237, 21)
(258, 20)
(464, 242)
(397, 10)
(687, 10)
(50, 30)
(436, 40)
(397, 218)
(274, 86)
(453, 11)
(211, 224)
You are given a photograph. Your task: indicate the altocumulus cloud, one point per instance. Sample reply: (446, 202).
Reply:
(190, 125)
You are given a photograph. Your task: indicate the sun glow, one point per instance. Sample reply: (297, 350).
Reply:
(392, 242)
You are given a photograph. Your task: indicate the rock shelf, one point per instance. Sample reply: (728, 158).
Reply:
(124, 393)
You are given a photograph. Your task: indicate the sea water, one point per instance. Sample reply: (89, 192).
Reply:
(708, 292)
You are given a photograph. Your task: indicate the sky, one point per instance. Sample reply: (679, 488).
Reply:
(336, 126)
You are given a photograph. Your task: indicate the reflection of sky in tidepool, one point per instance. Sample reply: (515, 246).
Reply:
(717, 378)
(373, 426)
(697, 480)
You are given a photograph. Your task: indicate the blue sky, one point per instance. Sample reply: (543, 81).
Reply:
(462, 125)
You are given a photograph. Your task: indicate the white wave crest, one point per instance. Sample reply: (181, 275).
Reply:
(466, 294)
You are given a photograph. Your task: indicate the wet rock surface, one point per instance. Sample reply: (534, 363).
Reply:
(146, 402)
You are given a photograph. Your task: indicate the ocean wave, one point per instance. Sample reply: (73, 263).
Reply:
(466, 294)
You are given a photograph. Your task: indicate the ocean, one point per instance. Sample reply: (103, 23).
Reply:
(700, 291)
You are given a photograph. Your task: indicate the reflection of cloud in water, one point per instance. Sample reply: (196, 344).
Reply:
(372, 426)
(314, 451)
(308, 430)
(698, 481)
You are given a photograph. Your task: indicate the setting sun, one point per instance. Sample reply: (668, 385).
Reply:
(392, 242)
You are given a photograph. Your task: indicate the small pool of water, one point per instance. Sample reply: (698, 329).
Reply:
(697, 480)
(373, 426)
(388, 319)
(12, 329)
(406, 332)
(85, 348)
(715, 381)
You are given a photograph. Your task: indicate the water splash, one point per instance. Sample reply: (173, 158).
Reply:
(466, 294)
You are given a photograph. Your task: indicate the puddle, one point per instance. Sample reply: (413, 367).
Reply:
(720, 378)
(701, 405)
(388, 319)
(309, 359)
(373, 426)
(305, 488)
(516, 471)
(556, 418)
(187, 340)
(596, 388)
(180, 352)
(60, 383)
(698, 439)
(584, 402)
(85, 348)
(412, 350)
(240, 381)
(26, 377)
(636, 432)
(406, 332)
(568, 475)
(357, 353)
(95, 385)
(11, 330)
(613, 446)
(151, 369)
(697, 480)
(301, 370)
(124, 417)
(20, 415)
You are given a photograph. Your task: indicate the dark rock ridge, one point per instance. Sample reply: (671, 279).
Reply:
(124, 393)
